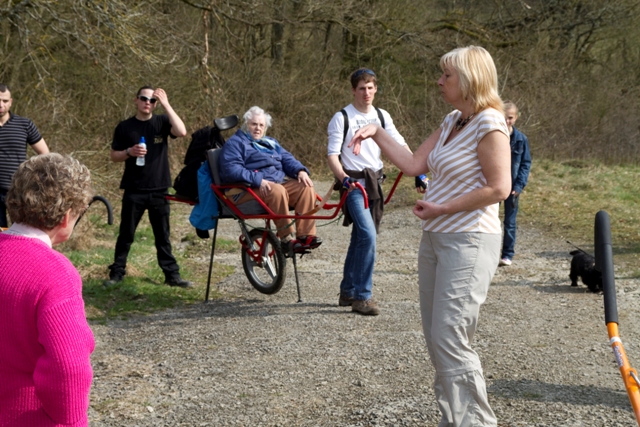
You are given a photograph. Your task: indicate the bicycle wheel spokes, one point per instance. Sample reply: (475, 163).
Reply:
(264, 267)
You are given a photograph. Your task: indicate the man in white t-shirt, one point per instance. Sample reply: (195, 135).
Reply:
(365, 168)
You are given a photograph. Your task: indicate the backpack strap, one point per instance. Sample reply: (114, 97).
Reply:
(346, 126)
(380, 117)
(346, 130)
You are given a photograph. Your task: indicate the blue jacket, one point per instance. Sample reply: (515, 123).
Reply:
(520, 161)
(204, 214)
(240, 161)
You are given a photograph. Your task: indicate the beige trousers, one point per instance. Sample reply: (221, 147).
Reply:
(454, 273)
(282, 197)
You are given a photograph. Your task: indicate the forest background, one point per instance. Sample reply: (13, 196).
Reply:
(573, 67)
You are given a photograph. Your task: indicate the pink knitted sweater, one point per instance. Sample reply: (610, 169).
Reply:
(45, 341)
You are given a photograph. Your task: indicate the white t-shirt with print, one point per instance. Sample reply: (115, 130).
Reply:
(369, 156)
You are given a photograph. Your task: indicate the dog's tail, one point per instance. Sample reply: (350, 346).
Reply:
(578, 250)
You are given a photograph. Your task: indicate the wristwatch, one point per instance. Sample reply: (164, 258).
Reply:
(127, 151)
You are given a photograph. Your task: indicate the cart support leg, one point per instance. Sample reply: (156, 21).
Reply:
(213, 250)
(295, 270)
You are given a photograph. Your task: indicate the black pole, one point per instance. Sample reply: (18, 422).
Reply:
(213, 250)
(295, 270)
(604, 264)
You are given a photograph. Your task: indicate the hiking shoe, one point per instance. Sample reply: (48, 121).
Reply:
(302, 243)
(112, 281)
(367, 307)
(311, 241)
(344, 301)
(504, 262)
(178, 282)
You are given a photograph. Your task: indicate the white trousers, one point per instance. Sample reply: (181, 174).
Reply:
(454, 273)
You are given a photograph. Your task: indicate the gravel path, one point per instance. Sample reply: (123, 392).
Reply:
(265, 360)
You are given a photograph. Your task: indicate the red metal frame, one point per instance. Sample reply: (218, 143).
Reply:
(175, 198)
(256, 255)
(393, 188)
(219, 190)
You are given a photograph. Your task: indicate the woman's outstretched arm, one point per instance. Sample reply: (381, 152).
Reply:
(410, 164)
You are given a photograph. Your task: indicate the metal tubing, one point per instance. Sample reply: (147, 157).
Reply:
(213, 249)
(295, 270)
(393, 188)
(604, 264)
(626, 371)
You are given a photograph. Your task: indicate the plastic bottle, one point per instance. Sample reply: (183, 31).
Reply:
(140, 160)
(422, 181)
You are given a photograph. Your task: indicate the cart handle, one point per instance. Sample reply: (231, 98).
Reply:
(393, 188)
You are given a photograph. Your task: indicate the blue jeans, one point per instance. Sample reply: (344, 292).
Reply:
(510, 212)
(357, 280)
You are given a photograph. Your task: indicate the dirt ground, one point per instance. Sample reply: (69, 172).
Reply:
(250, 359)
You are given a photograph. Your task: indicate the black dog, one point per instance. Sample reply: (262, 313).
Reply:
(584, 265)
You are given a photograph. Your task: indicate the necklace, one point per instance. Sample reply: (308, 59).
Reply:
(460, 123)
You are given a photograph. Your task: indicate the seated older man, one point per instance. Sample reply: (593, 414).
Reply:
(281, 181)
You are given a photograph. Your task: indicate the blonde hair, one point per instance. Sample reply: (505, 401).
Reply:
(508, 105)
(478, 76)
(45, 187)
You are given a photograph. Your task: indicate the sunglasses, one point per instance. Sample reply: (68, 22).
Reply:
(145, 99)
(362, 71)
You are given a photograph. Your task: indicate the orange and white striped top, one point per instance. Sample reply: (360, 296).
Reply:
(455, 170)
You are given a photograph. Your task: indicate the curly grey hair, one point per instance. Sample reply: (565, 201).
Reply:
(45, 187)
(256, 111)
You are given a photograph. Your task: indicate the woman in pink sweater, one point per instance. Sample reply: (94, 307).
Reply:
(45, 341)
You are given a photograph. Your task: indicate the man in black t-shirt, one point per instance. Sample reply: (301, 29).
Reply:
(145, 186)
(15, 133)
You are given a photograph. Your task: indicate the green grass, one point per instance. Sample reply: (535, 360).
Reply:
(91, 250)
(562, 199)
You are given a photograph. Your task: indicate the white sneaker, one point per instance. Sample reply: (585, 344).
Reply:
(504, 262)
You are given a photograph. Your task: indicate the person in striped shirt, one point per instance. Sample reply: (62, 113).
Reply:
(469, 159)
(15, 133)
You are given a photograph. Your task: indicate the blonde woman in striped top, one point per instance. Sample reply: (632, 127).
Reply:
(468, 157)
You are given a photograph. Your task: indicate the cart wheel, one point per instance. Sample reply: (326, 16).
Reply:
(268, 272)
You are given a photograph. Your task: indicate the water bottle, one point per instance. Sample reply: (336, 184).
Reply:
(140, 160)
(425, 179)
(422, 181)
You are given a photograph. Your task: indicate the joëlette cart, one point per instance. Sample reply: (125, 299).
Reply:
(263, 257)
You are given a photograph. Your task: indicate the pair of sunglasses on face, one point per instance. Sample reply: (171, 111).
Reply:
(145, 99)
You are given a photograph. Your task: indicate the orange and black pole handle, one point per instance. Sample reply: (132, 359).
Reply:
(604, 264)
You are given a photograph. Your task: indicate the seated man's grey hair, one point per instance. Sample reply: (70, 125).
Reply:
(256, 111)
